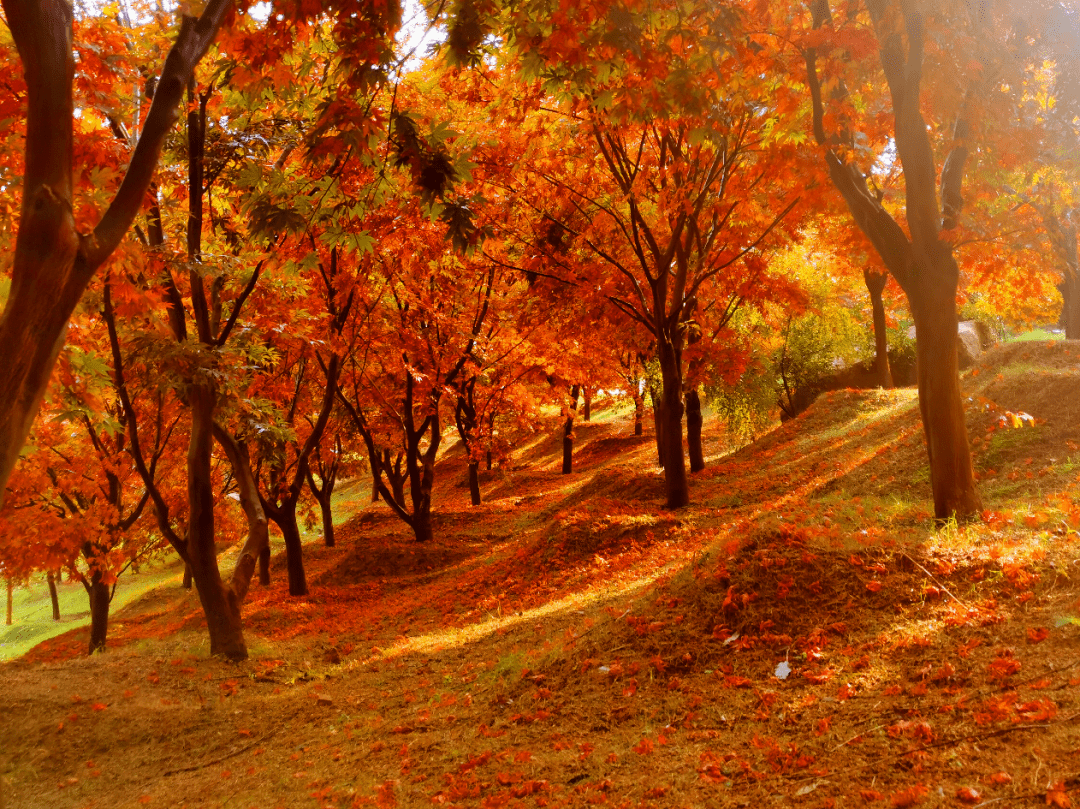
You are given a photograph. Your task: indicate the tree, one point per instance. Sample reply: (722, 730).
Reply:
(968, 79)
(53, 262)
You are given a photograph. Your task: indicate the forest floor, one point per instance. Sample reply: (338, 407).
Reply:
(802, 634)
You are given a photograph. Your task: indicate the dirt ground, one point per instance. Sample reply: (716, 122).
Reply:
(801, 635)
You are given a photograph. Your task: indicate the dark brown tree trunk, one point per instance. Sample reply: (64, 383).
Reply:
(285, 519)
(639, 414)
(568, 432)
(327, 521)
(875, 285)
(220, 605)
(186, 583)
(586, 410)
(474, 482)
(675, 480)
(375, 479)
(54, 596)
(694, 423)
(99, 612)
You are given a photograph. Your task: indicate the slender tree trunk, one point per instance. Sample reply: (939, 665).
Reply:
(568, 432)
(941, 402)
(374, 479)
(586, 410)
(327, 520)
(220, 605)
(99, 613)
(53, 595)
(658, 424)
(639, 414)
(875, 285)
(474, 482)
(284, 516)
(264, 566)
(675, 480)
(186, 583)
(694, 423)
(10, 600)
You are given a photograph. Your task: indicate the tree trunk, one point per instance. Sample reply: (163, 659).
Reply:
(941, 403)
(676, 484)
(186, 583)
(1070, 306)
(285, 519)
(264, 566)
(474, 482)
(421, 525)
(658, 424)
(875, 285)
(639, 414)
(10, 600)
(99, 613)
(327, 520)
(568, 432)
(694, 423)
(374, 480)
(586, 410)
(52, 261)
(54, 597)
(219, 604)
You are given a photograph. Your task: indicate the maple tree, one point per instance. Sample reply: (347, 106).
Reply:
(52, 260)
(845, 59)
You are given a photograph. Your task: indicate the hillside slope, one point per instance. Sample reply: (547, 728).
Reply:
(800, 635)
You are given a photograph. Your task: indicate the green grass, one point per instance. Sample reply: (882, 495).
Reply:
(32, 620)
(1036, 335)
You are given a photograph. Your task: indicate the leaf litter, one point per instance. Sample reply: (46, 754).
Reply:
(569, 643)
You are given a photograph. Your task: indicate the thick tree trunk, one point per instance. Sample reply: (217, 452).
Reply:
(568, 432)
(474, 482)
(186, 583)
(99, 613)
(639, 414)
(875, 285)
(219, 604)
(54, 596)
(421, 525)
(693, 431)
(941, 402)
(675, 480)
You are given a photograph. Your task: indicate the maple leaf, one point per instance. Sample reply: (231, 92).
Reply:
(909, 797)
(1058, 796)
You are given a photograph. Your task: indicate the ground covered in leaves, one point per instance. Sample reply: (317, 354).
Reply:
(800, 635)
